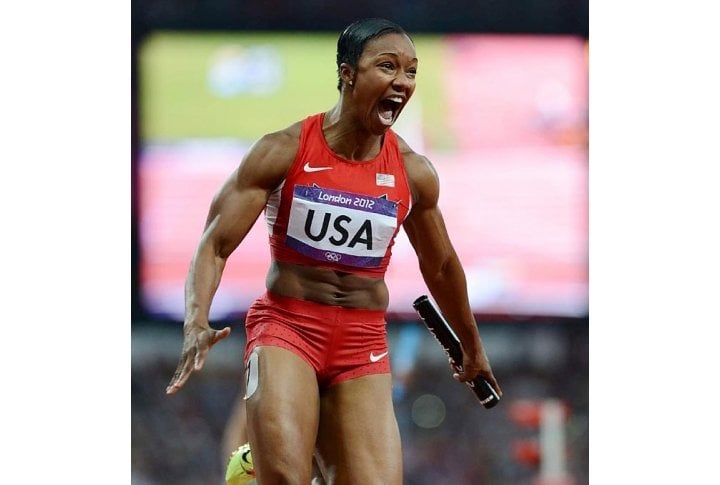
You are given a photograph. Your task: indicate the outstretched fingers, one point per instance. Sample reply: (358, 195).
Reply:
(195, 349)
(182, 372)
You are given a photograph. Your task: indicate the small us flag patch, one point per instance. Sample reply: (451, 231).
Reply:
(384, 180)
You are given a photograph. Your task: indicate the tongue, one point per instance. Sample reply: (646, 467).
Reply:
(386, 116)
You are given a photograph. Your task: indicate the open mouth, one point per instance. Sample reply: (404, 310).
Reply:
(388, 109)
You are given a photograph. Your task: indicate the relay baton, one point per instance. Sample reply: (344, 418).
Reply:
(439, 327)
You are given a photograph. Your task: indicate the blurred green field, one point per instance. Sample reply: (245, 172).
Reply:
(177, 100)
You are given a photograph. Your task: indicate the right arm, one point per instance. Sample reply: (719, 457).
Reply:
(232, 214)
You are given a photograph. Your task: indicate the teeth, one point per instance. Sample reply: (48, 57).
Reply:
(386, 112)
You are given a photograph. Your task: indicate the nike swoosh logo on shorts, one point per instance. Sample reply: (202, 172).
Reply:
(308, 168)
(375, 358)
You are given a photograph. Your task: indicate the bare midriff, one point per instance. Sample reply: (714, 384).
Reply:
(327, 286)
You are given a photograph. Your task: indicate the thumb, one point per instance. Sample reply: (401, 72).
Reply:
(462, 375)
(220, 334)
(217, 335)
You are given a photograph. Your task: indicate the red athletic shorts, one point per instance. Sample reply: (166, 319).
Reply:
(339, 343)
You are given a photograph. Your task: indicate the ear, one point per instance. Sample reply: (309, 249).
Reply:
(347, 73)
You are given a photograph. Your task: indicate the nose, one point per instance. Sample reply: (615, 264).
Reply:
(403, 82)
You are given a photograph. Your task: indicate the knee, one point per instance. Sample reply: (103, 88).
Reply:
(281, 455)
(283, 470)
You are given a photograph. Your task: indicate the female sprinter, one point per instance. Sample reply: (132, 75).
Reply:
(335, 188)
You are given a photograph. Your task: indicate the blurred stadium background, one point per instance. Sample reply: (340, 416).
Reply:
(501, 108)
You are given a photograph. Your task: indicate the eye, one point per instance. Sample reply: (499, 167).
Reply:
(387, 65)
(412, 72)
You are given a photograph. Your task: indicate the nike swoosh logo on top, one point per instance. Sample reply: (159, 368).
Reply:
(375, 358)
(308, 168)
(244, 457)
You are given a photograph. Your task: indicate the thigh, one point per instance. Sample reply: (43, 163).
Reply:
(358, 437)
(282, 415)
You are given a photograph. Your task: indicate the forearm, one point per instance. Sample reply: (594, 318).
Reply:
(201, 284)
(448, 287)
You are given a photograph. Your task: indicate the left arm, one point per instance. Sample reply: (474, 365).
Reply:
(441, 267)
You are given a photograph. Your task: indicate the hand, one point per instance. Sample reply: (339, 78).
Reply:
(196, 344)
(473, 367)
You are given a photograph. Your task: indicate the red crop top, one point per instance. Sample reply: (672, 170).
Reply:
(337, 214)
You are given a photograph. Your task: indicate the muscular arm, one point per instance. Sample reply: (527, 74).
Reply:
(232, 214)
(441, 267)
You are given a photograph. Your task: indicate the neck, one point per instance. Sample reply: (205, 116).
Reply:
(346, 135)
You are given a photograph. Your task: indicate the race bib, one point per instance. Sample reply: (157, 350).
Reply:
(341, 227)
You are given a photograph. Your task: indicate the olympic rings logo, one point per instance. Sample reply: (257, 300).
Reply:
(334, 257)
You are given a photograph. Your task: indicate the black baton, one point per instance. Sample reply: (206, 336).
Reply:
(444, 334)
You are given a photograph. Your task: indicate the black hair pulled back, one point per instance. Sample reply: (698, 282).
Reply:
(352, 41)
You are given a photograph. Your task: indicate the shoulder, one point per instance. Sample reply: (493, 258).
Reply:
(283, 143)
(270, 158)
(421, 174)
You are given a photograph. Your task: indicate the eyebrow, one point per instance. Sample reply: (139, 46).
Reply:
(394, 55)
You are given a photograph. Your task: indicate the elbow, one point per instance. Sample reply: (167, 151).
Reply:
(211, 248)
(436, 271)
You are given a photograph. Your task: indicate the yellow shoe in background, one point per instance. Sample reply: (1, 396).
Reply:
(240, 469)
